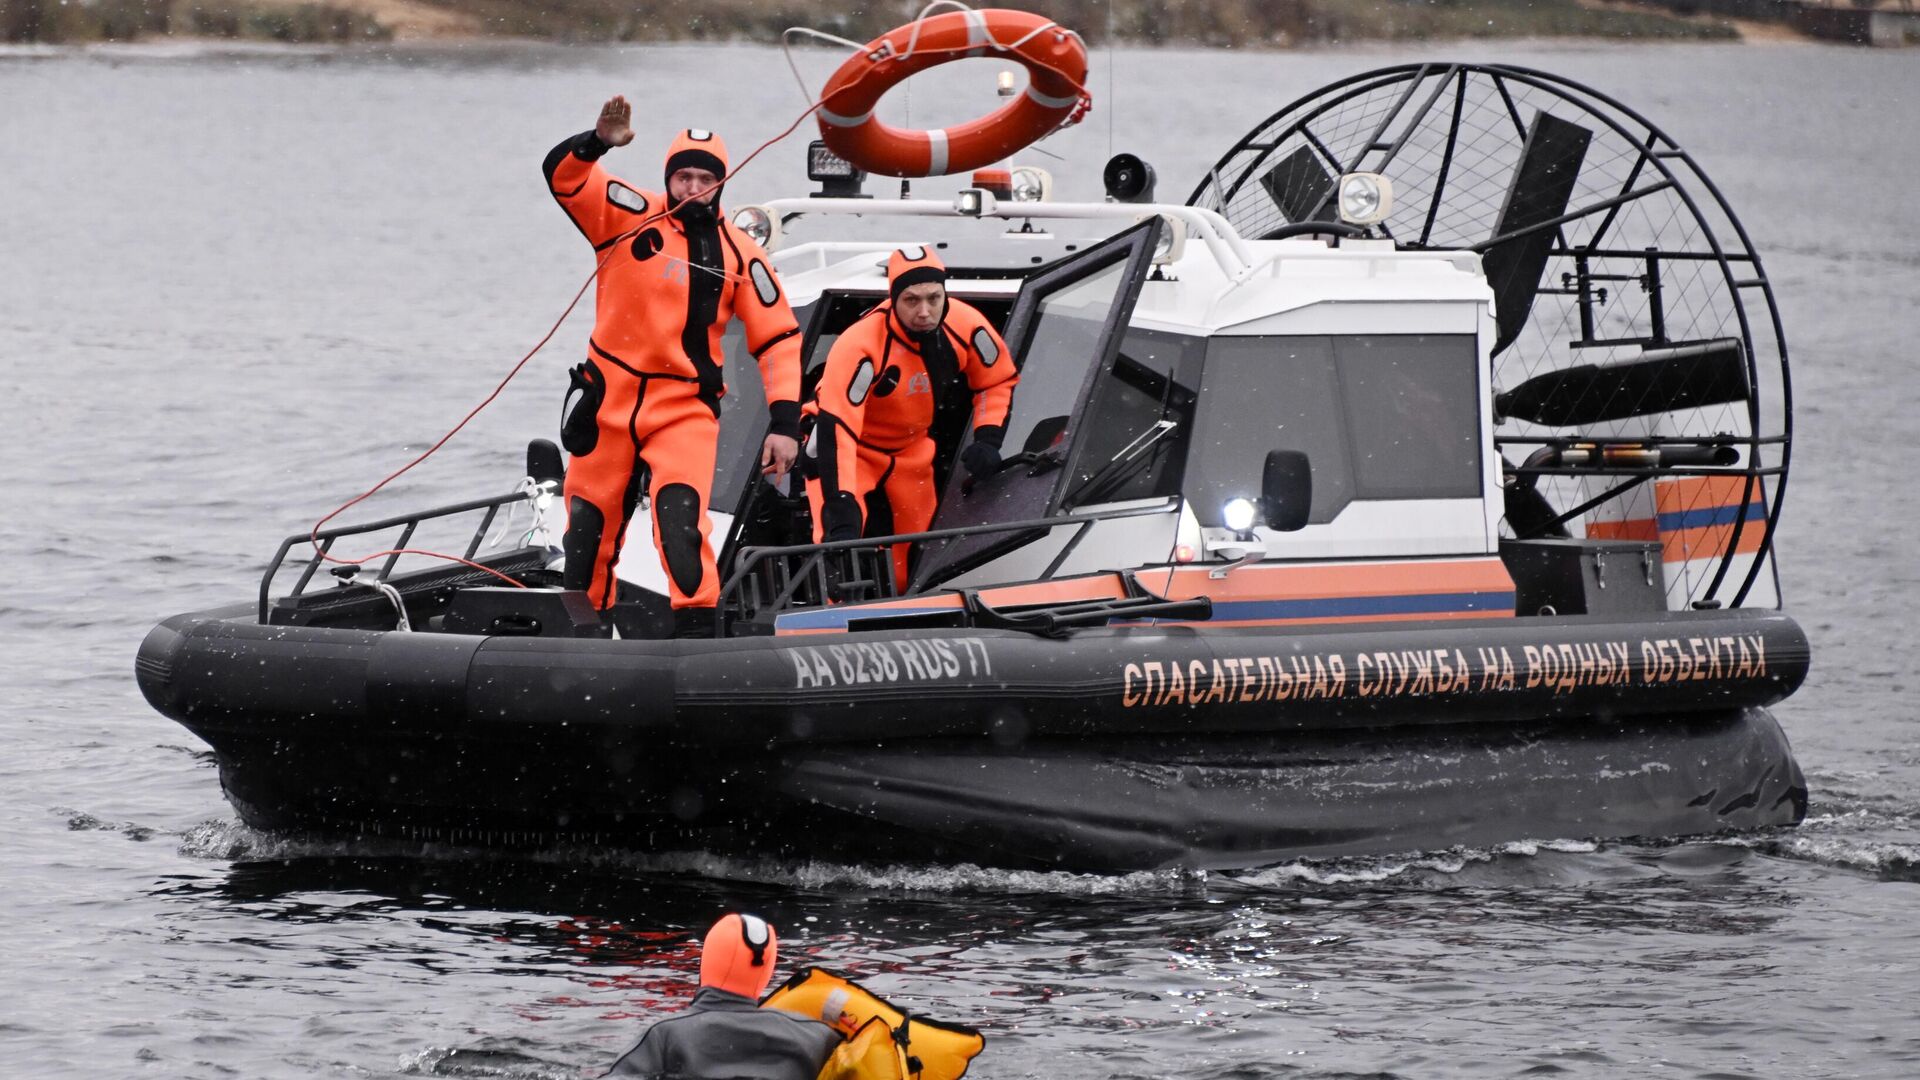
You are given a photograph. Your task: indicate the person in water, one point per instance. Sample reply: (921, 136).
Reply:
(723, 1032)
(647, 400)
(889, 378)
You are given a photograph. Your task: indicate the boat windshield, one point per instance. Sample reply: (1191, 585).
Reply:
(1063, 331)
(1138, 420)
(743, 420)
(1378, 416)
(1066, 337)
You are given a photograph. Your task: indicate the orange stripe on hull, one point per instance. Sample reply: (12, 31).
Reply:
(1698, 492)
(1333, 580)
(1631, 529)
(1677, 500)
(1686, 545)
(1376, 592)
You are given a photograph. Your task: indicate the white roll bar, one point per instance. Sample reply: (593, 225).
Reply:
(1223, 243)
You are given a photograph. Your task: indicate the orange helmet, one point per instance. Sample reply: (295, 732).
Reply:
(695, 148)
(738, 955)
(909, 266)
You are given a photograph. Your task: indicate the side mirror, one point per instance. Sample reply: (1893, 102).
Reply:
(1286, 490)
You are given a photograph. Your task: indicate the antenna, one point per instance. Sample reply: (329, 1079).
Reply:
(1113, 62)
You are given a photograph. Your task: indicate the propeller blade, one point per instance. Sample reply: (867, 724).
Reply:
(1300, 187)
(1661, 380)
(1542, 186)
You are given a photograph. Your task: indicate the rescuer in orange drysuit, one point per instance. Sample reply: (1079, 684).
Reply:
(649, 392)
(917, 353)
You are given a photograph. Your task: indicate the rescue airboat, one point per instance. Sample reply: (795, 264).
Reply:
(1412, 484)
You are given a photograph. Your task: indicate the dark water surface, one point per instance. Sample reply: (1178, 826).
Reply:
(235, 289)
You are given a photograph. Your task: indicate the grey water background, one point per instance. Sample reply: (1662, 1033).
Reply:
(237, 287)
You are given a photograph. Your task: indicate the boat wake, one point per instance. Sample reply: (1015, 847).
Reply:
(1869, 834)
(1406, 868)
(502, 1063)
(80, 821)
(1510, 863)
(813, 875)
(1886, 860)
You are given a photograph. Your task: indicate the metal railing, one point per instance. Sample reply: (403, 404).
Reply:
(775, 578)
(407, 523)
(1222, 241)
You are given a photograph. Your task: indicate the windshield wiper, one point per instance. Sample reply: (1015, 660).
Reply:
(1122, 466)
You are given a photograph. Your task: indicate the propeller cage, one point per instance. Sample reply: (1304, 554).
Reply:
(1632, 311)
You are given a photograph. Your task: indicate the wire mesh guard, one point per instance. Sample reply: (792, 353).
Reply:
(1640, 372)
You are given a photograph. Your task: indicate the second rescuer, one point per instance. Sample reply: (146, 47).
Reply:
(918, 354)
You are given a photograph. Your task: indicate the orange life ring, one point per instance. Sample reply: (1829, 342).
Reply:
(1056, 63)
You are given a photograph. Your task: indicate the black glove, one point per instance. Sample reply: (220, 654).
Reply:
(840, 517)
(839, 520)
(982, 459)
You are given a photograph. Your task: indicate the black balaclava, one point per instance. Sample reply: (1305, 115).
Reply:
(696, 149)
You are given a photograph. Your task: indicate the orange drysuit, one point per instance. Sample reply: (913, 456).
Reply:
(872, 450)
(651, 386)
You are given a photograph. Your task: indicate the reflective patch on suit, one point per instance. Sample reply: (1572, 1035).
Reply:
(808, 463)
(861, 382)
(676, 513)
(984, 347)
(581, 544)
(913, 254)
(625, 197)
(763, 284)
(580, 415)
(699, 134)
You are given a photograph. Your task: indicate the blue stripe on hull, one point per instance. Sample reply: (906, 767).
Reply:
(1709, 515)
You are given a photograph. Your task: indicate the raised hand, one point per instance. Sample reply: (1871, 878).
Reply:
(615, 127)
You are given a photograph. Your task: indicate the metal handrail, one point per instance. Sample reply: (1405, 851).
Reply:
(1210, 227)
(1649, 471)
(1639, 440)
(751, 558)
(325, 538)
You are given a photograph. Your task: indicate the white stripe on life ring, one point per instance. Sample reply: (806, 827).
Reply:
(937, 152)
(1038, 98)
(977, 33)
(837, 120)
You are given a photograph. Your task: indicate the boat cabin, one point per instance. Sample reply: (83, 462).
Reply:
(1212, 415)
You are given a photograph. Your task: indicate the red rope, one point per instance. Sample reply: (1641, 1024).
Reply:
(313, 535)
